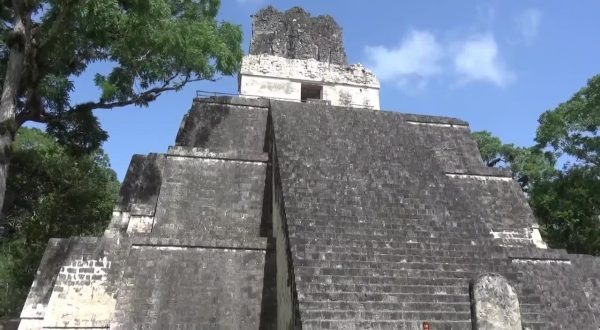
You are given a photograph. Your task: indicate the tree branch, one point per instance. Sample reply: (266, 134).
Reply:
(493, 162)
(139, 99)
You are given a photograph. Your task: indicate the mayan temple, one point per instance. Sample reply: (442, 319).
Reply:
(300, 205)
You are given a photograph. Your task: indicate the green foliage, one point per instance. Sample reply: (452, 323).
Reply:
(490, 147)
(568, 209)
(572, 128)
(18, 264)
(50, 193)
(568, 206)
(528, 165)
(566, 201)
(61, 185)
(79, 132)
(154, 45)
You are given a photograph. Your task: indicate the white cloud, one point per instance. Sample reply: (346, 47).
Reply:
(415, 60)
(478, 59)
(528, 23)
(420, 57)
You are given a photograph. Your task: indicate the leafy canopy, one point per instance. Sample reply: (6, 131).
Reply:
(154, 45)
(572, 128)
(50, 193)
(528, 165)
(566, 201)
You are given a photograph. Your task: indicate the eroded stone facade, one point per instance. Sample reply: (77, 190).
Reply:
(295, 57)
(281, 78)
(270, 214)
(294, 34)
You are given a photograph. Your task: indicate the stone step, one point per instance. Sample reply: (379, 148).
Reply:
(390, 280)
(402, 249)
(340, 232)
(499, 265)
(530, 319)
(398, 225)
(535, 325)
(533, 317)
(382, 297)
(399, 258)
(382, 288)
(414, 243)
(384, 324)
(347, 297)
(399, 306)
(339, 315)
(399, 273)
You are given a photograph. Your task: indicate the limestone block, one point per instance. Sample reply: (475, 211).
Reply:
(210, 197)
(308, 70)
(80, 296)
(36, 304)
(495, 304)
(224, 127)
(140, 188)
(295, 34)
(191, 288)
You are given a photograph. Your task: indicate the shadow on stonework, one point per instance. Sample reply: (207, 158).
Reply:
(268, 311)
(142, 181)
(200, 123)
(268, 308)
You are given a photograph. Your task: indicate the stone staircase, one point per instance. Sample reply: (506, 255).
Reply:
(389, 232)
(395, 281)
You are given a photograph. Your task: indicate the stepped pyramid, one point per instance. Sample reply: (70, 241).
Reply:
(299, 205)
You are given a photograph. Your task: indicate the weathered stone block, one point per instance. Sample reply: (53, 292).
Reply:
(141, 185)
(495, 304)
(295, 34)
(208, 197)
(191, 288)
(224, 127)
(36, 304)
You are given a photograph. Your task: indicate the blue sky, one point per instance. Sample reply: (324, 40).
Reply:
(496, 64)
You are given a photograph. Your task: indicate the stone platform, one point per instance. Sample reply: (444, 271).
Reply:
(279, 215)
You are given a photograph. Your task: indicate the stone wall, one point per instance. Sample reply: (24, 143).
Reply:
(284, 215)
(207, 262)
(210, 198)
(287, 304)
(308, 70)
(391, 215)
(83, 294)
(281, 78)
(34, 309)
(295, 34)
(191, 288)
(189, 245)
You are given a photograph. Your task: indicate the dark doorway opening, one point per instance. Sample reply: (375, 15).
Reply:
(313, 92)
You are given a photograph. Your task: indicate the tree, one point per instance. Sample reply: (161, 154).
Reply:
(50, 193)
(155, 46)
(572, 128)
(568, 206)
(568, 209)
(528, 165)
(566, 201)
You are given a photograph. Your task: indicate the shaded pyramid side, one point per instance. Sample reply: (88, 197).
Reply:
(187, 245)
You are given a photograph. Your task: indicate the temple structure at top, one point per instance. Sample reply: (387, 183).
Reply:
(296, 57)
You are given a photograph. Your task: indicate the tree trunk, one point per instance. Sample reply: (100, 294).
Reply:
(8, 103)
(6, 140)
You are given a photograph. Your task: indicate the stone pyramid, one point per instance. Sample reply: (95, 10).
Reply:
(273, 214)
